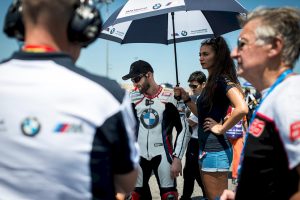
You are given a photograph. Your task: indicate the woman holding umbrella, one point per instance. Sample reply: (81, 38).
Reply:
(222, 89)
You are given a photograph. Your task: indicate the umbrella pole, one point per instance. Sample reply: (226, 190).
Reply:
(175, 52)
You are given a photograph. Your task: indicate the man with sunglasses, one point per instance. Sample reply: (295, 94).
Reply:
(191, 170)
(157, 114)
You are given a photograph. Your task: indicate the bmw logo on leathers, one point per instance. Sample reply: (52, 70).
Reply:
(149, 118)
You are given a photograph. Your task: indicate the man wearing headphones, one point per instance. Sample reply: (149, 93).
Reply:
(65, 133)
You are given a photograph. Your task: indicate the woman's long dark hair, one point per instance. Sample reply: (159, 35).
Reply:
(223, 67)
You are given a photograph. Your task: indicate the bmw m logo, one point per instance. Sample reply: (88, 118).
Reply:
(149, 118)
(156, 6)
(30, 126)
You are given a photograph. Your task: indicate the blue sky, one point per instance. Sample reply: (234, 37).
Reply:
(161, 57)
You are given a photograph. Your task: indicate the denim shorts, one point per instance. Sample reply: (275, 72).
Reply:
(219, 161)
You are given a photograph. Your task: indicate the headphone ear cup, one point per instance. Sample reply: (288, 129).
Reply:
(13, 24)
(85, 25)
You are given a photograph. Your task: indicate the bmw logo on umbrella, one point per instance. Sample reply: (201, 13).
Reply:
(156, 6)
(112, 30)
(30, 126)
(184, 33)
(149, 118)
(133, 20)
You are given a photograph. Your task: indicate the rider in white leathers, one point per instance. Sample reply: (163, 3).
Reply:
(157, 112)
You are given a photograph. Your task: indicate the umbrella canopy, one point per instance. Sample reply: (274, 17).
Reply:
(192, 25)
(167, 22)
(138, 9)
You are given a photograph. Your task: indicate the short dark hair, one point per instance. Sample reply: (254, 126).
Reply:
(198, 76)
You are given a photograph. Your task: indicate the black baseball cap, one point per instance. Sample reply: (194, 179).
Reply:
(137, 68)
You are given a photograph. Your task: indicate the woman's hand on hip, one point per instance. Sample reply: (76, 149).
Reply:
(211, 125)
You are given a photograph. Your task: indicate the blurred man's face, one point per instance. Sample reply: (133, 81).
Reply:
(251, 57)
(196, 87)
(141, 83)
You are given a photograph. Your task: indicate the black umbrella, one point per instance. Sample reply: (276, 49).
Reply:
(167, 22)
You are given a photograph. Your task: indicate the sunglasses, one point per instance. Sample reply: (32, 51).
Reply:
(137, 78)
(240, 43)
(209, 41)
(193, 86)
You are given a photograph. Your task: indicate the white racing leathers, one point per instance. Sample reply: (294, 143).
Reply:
(157, 117)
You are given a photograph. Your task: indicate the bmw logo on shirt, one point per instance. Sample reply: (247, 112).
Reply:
(30, 126)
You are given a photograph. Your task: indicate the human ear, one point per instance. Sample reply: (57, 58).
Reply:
(276, 46)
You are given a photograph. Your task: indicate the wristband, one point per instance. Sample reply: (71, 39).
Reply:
(188, 100)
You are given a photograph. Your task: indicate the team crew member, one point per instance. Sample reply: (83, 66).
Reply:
(191, 170)
(65, 134)
(266, 53)
(157, 113)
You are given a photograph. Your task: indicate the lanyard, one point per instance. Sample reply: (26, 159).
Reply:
(277, 82)
(37, 48)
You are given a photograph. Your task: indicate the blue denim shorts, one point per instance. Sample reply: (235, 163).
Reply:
(219, 161)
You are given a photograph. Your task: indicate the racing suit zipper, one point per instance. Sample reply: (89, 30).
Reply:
(148, 144)
(148, 138)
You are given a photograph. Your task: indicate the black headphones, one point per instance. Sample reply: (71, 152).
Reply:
(84, 27)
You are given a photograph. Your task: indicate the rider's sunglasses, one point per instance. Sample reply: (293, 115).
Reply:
(137, 78)
(192, 86)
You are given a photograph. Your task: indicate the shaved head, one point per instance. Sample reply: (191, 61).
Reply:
(47, 22)
(50, 12)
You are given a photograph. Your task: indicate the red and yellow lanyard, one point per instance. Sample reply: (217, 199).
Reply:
(38, 48)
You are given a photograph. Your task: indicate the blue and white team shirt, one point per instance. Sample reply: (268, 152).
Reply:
(64, 133)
